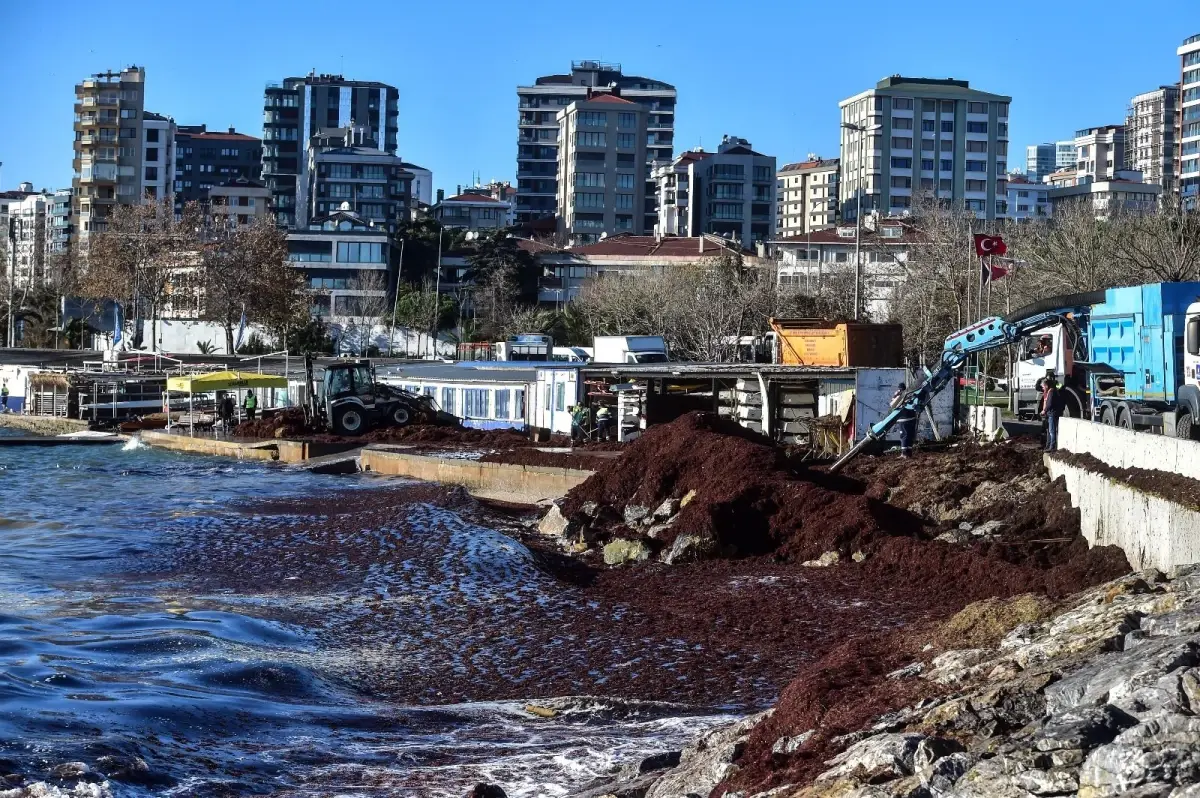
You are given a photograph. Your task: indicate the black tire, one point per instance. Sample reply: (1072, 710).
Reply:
(349, 420)
(1074, 404)
(1108, 415)
(401, 416)
(1124, 418)
(1184, 427)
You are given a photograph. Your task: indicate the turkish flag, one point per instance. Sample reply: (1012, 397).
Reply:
(989, 245)
(989, 272)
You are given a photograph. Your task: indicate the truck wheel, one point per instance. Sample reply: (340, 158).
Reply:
(1124, 418)
(401, 416)
(348, 420)
(1108, 415)
(1184, 428)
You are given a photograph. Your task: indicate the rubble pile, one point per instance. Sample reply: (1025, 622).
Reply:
(287, 423)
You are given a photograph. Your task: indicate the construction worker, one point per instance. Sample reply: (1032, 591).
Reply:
(603, 422)
(1052, 408)
(4, 397)
(578, 423)
(907, 422)
(227, 407)
(250, 405)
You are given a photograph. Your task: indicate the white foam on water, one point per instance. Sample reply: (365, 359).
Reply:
(133, 444)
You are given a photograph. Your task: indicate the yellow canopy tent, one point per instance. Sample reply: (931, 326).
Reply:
(224, 381)
(220, 381)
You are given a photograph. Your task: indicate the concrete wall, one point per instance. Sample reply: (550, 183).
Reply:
(1122, 448)
(515, 483)
(42, 425)
(1152, 531)
(212, 446)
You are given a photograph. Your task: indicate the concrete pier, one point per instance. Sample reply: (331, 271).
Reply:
(42, 425)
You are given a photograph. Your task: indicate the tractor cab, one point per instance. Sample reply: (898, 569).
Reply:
(355, 401)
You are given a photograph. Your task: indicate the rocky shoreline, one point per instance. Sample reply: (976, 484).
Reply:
(1099, 699)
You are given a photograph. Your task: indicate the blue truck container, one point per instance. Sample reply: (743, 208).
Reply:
(1136, 348)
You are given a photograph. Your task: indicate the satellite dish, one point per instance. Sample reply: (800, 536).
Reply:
(345, 206)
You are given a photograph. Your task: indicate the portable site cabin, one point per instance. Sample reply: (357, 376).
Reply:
(484, 395)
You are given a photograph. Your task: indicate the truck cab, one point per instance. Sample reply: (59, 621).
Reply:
(1054, 352)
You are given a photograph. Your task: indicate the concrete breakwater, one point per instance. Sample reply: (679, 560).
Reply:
(42, 425)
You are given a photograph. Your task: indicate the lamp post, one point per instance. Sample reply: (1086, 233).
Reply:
(858, 194)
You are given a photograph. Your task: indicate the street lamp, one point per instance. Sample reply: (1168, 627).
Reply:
(858, 193)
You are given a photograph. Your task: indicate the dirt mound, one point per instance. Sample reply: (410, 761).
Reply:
(578, 458)
(448, 436)
(287, 423)
(747, 498)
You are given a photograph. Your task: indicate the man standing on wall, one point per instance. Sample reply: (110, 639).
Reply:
(907, 422)
(1052, 404)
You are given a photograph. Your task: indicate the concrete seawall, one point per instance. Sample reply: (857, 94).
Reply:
(1122, 448)
(42, 425)
(266, 450)
(1152, 531)
(506, 481)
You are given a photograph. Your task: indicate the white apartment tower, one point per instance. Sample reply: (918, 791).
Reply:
(1150, 142)
(807, 196)
(601, 167)
(1188, 157)
(924, 137)
(1099, 153)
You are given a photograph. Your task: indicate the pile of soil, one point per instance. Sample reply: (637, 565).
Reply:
(448, 436)
(579, 459)
(287, 423)
(1173, 487)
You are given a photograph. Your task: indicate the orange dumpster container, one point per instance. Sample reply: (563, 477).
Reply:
(816, 342)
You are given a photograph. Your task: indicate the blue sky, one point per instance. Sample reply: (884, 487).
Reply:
(770, 72)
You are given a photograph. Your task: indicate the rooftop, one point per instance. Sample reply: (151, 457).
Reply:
(470, 198)
(610, 98)
(831, 235)
(649, 246)
(818, 163)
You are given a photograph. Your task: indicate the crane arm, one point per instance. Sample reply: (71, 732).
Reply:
(990, 333)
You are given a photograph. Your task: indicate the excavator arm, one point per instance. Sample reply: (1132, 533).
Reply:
(990, 333)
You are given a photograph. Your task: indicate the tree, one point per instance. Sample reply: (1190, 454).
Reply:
(366, 311)
(416, 306)
(311, 338)
(1072, 251)
(244, 269)
(1160, 247)
(420, 237)
(505, 279)
(140, 254)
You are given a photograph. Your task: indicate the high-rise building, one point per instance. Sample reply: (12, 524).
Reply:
(1150, 142)
(601, 167)
(345, 172)
(205, 159)
(1188, 164)
(728, 193)
(1040, 160)
(1064, 154)
(537, 131)
(1099, 153)
(108, 146)
(807, 196)
(301, 108)
(158, 156)
(58, 236)
(924, 136)
(27, 230)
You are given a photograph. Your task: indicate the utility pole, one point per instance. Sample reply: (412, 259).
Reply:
(858, 193)
(437, 295)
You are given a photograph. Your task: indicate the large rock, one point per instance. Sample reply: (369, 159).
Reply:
(486, 791)
(689, 548)
(635, 514)
(667, 509)
(1138, 681)
(1163, 750)
(621, 551)
(554, 523)
(959, 665)
(707, 762)
(875, 758)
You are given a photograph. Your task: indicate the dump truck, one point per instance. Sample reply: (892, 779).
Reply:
(816, 342)
(629, 349)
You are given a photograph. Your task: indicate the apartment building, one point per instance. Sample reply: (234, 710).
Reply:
(1064, 154)
(345, 172)
(601, 167)
(728, 193)
(205, 159)
(1099, 153)
(298, 109)
(1041, 160)
(1150, 143)
(924, 136)
(474, 211)
(26, 223)
(60, 223)
(1188, 157)
(422, 184)
(347, 264)
(807, 196)
(1027, 198)
(538, 132)
(108, 148)
(158, 156)
(239, 201)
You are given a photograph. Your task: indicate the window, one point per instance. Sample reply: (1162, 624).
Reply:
(624, 181)
(947, 125)
(587, 199)
(945, 185)
(977, 108)
(1022, 194)
(586, 138)
(560, 396)
(625, 141)
(589, 179)
(762, 174)
(927, 164)
(626, 119)
(928, 126)
(975, 205)
(126, 133)
(152, 153)
(1022, 208)
(520, 402)
(593, 118)
(927, 145)
(341, 190)
(977, 127)
(355, 252)
(373, 172)
(976, 185)
(152, 134)
(947, 165)
(502, 403)
(927, 183)
(928, 106)
(902, 103)
(625, 201)
(902, 123)
(230, 152)
(976, 166)
(476, 402)
(901, 182)
(902, 163)
(977, 146)
(370, 192)
(947, 106)
(152, 173)
(901, 143)
(901, 202)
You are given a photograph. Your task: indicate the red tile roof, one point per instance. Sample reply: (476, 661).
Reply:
(649, 246)
(471, 198)
(219, 136)
(609, 98)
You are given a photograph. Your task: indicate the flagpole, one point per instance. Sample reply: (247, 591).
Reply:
(987, 358)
